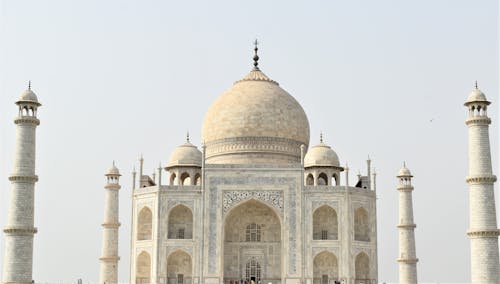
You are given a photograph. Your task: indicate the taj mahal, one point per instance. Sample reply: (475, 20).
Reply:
(259, 201)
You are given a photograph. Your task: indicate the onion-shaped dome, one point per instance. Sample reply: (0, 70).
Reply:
(476, 96)
(185, 155)
(113, 171)
(404, 172)
(255, 122)
(321, 155)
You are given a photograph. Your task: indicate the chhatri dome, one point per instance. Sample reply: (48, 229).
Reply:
(321, 155)
(255, 122)
(185, 155)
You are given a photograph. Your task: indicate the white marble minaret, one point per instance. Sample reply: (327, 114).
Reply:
(18, 257)
(407, 254)
(483, 231)
(109, 254)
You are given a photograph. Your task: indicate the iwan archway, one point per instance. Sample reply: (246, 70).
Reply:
(252, 244)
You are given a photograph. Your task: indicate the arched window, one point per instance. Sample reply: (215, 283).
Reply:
(197, 179)
(143, 268)
(335, 179)
(253, 270)
(361, 226)
(325, 223)
(325, 268)
(362, 267)
(179, 268)
(185, 179)
(310, 179)
(144, 224)
(322, 179)
(180, 223)
(253, 233)
(173, 179)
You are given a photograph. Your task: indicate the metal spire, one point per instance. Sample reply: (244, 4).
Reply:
(475, 85)
(256, 57)
(187, 137)
(29, 85)
(321, 137)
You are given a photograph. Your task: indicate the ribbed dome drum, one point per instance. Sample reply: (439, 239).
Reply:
(255, 122)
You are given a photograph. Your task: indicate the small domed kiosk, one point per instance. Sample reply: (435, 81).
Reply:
(322, 166)
(185, 165)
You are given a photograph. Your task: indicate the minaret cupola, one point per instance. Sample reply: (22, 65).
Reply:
(28, 103)
(477, 103)
(113, 175)
(404, 176)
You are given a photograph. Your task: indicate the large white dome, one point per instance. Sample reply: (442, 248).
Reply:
(255, 121)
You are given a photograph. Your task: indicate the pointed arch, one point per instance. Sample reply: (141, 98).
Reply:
(322, 179)
(173, 179)
(335, 179)
(361, 225)
(180, 223)
(253, 270)
(145, 224)
(325, 223)
(185, 179)
(309, 179)
(143, 268)
(197, 179)
(325, 268)
(179, 268)
(265, 252)
(362, 267)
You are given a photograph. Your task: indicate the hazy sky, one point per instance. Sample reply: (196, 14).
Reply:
(119, 78)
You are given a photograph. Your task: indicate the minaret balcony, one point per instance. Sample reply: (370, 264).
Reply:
(27, 120)
(483, 179)
(479, 120)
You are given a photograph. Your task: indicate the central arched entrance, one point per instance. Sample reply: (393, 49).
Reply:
(252, 244)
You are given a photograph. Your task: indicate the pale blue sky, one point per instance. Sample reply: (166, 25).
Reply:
(120, 78)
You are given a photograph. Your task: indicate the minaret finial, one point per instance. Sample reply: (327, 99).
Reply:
(29, 85)
(256, 57)
(187, 137)
(320, 137)
(475, 85)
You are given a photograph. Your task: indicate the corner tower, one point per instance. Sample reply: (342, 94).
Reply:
(109, 254)
(19, 232)
(483, 231)
(407, 253)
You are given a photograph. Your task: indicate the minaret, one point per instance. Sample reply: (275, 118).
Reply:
(109, 254)
(407, 255)
(19, 232)
(483, 231)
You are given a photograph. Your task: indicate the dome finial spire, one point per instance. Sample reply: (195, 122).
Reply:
(187, 137)
(321, 137)
(256, 57)
(475, 85)
(29, 85)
